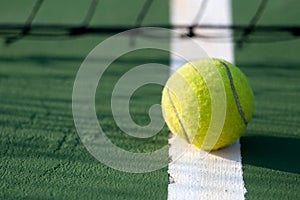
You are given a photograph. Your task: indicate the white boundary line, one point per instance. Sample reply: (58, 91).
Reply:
(219, 175)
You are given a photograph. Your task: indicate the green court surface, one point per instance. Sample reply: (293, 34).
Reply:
(270, 147)
(41, 154)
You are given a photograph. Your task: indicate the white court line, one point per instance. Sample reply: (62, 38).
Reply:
(219, 175)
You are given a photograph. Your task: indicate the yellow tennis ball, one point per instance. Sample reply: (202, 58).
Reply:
(187, 103)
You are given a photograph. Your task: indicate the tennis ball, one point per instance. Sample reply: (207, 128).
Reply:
(194, 90)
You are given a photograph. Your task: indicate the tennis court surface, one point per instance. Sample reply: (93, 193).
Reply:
(44, 43)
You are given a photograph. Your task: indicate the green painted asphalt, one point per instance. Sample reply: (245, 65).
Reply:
(42, 156)
(270, 147)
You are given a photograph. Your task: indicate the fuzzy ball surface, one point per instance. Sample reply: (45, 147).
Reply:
(187, 103)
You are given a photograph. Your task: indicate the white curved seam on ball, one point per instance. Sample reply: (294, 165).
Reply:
(178, 117)
(236, 98)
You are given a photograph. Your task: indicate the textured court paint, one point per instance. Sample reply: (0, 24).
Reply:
(217, 175)
(198, 176)
(270, 147)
